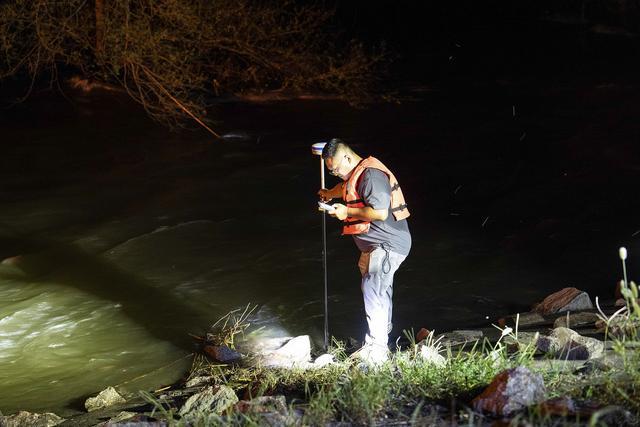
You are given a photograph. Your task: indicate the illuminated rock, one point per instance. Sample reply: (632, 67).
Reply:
(211, 399)
(510, 391)
(107, 397)
(296, 352)
(567, 299)
(564, 343)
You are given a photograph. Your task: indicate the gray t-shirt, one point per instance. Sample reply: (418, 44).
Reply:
(375, 190)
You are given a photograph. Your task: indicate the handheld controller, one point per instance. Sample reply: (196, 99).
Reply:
(326, 207)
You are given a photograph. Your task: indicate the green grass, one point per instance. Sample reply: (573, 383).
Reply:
(408, 390)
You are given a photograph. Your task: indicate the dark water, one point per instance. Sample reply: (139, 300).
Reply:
(129, 237)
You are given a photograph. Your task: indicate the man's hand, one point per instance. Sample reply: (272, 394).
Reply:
(340, 211)
(333, 193)
(325, 195)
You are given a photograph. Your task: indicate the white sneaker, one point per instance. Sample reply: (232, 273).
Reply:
(372, 354)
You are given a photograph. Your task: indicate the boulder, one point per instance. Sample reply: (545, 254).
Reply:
(510, 391)
(296, 352)
(565, 343)
(567, 299)
(211, 399)
(107, 397)
(28, 419)
(576, 320)
(222, 353)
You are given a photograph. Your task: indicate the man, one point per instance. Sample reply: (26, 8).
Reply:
(375, 214)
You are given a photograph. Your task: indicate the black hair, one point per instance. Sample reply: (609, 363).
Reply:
(332, 147)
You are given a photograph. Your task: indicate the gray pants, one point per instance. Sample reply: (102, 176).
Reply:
(377, 268)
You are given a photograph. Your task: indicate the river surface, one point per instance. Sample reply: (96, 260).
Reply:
(120, 238)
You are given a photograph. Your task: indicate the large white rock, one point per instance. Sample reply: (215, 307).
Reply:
(107, 397)
(296, 352)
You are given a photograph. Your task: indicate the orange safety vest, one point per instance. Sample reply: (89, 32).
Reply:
(353, 200)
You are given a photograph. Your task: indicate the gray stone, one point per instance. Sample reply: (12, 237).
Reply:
(211, 399)
(524, 388)
(595, 347)
(576, 320)
(28, 419)
(564, 343)
(581, 302)
(107, 397)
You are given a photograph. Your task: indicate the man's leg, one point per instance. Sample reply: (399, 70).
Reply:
(377, 291)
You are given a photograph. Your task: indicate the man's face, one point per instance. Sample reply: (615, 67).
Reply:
(337, 165)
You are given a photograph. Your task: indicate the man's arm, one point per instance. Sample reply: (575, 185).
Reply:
(367, 213)
(375, 190)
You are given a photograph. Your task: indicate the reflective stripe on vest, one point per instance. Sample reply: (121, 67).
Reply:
(353, 200)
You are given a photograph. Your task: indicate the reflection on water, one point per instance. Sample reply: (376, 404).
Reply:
(59, 343)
